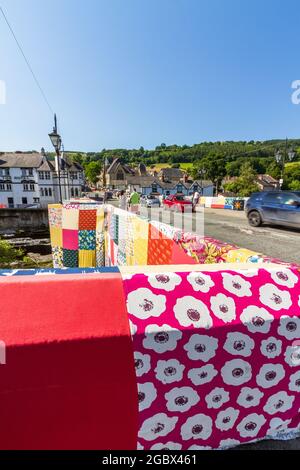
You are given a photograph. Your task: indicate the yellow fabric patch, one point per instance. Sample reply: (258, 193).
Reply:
(56, 236)
(140, 241)
(240, 255)
(87, 258)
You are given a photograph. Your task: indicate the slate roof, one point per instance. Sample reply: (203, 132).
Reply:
(20, 160)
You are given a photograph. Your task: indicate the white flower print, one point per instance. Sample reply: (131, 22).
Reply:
(280, 402)
(249, 397)
(167, 446)
(201, 347)
(236, 372)
(284, 277)
(292, 355)
(227, 418)
(181, 399)
(251, 425)
(133, 328)
(164, 281)
(227, 443)
(197, 427)
(223, 307)
(277, 425)
(142, 363)
(202, 375)
(256, 319)
(270, 375)
(157, 426)
(289, 327)
(143, 304)
(139, 446)
(216, 398)
(146, 395)
(294, 384)
(195, 447)
(169, 371)
(161, 338)
(192, 312)
(271, 347)
(200, 282)
(236, 285)
(239, 344)
(274, 298)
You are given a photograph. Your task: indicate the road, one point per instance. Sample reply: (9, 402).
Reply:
(232, 227)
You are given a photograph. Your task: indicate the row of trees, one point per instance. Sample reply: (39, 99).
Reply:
(218, 159)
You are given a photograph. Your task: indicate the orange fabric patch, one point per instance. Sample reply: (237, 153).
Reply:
(87, 219)
(159, 247)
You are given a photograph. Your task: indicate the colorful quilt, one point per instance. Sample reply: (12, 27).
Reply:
(217, 356)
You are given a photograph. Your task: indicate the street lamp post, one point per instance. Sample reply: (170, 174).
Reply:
(202, 175)
(56, 142)
(281, 158)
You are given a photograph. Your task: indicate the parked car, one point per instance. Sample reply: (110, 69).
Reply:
(274, 207)
(150, 201)
(178, 203)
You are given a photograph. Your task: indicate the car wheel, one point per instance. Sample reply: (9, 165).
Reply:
(254, 219)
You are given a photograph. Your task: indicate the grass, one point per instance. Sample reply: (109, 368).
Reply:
(159, 166)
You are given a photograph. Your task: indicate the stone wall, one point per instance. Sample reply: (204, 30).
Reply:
(12, 220)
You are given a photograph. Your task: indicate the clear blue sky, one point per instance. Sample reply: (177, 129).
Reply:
(131, 73)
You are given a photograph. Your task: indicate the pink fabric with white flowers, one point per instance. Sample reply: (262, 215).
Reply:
(217, 356)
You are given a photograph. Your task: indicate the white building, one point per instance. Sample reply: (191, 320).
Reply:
(32, 179)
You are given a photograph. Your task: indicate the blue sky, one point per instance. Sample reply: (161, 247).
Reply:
(131, 73)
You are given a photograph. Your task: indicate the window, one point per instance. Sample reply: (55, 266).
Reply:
(36, 200)
(8, 187)
(46, 192)
(30, 172)
(25, 187)
(73, 175)
(24, 200)
(154, 188)
(23, 170)
(76, 192)
(2, 187)
(50, 192)
(120, 175)
(10, 201)
(272, 198)
(42, 192)
(31, 187)
(179, 188)
(47, 175)
(41, 175)
(72, 192)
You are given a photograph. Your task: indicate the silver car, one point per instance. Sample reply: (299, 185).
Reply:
(150, 201)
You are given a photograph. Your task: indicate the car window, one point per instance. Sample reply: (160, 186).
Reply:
(272, 198)
(289, 199)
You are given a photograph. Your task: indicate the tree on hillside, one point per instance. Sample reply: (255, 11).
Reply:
(245, 184)
(211, 168)
(92, 171)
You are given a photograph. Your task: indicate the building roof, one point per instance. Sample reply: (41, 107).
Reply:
(36, 160)
(267, 179)
(171, 173)
(20, 160)
(46, 165)
(114, 165)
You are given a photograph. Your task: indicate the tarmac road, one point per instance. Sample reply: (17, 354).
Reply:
(232, 227)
